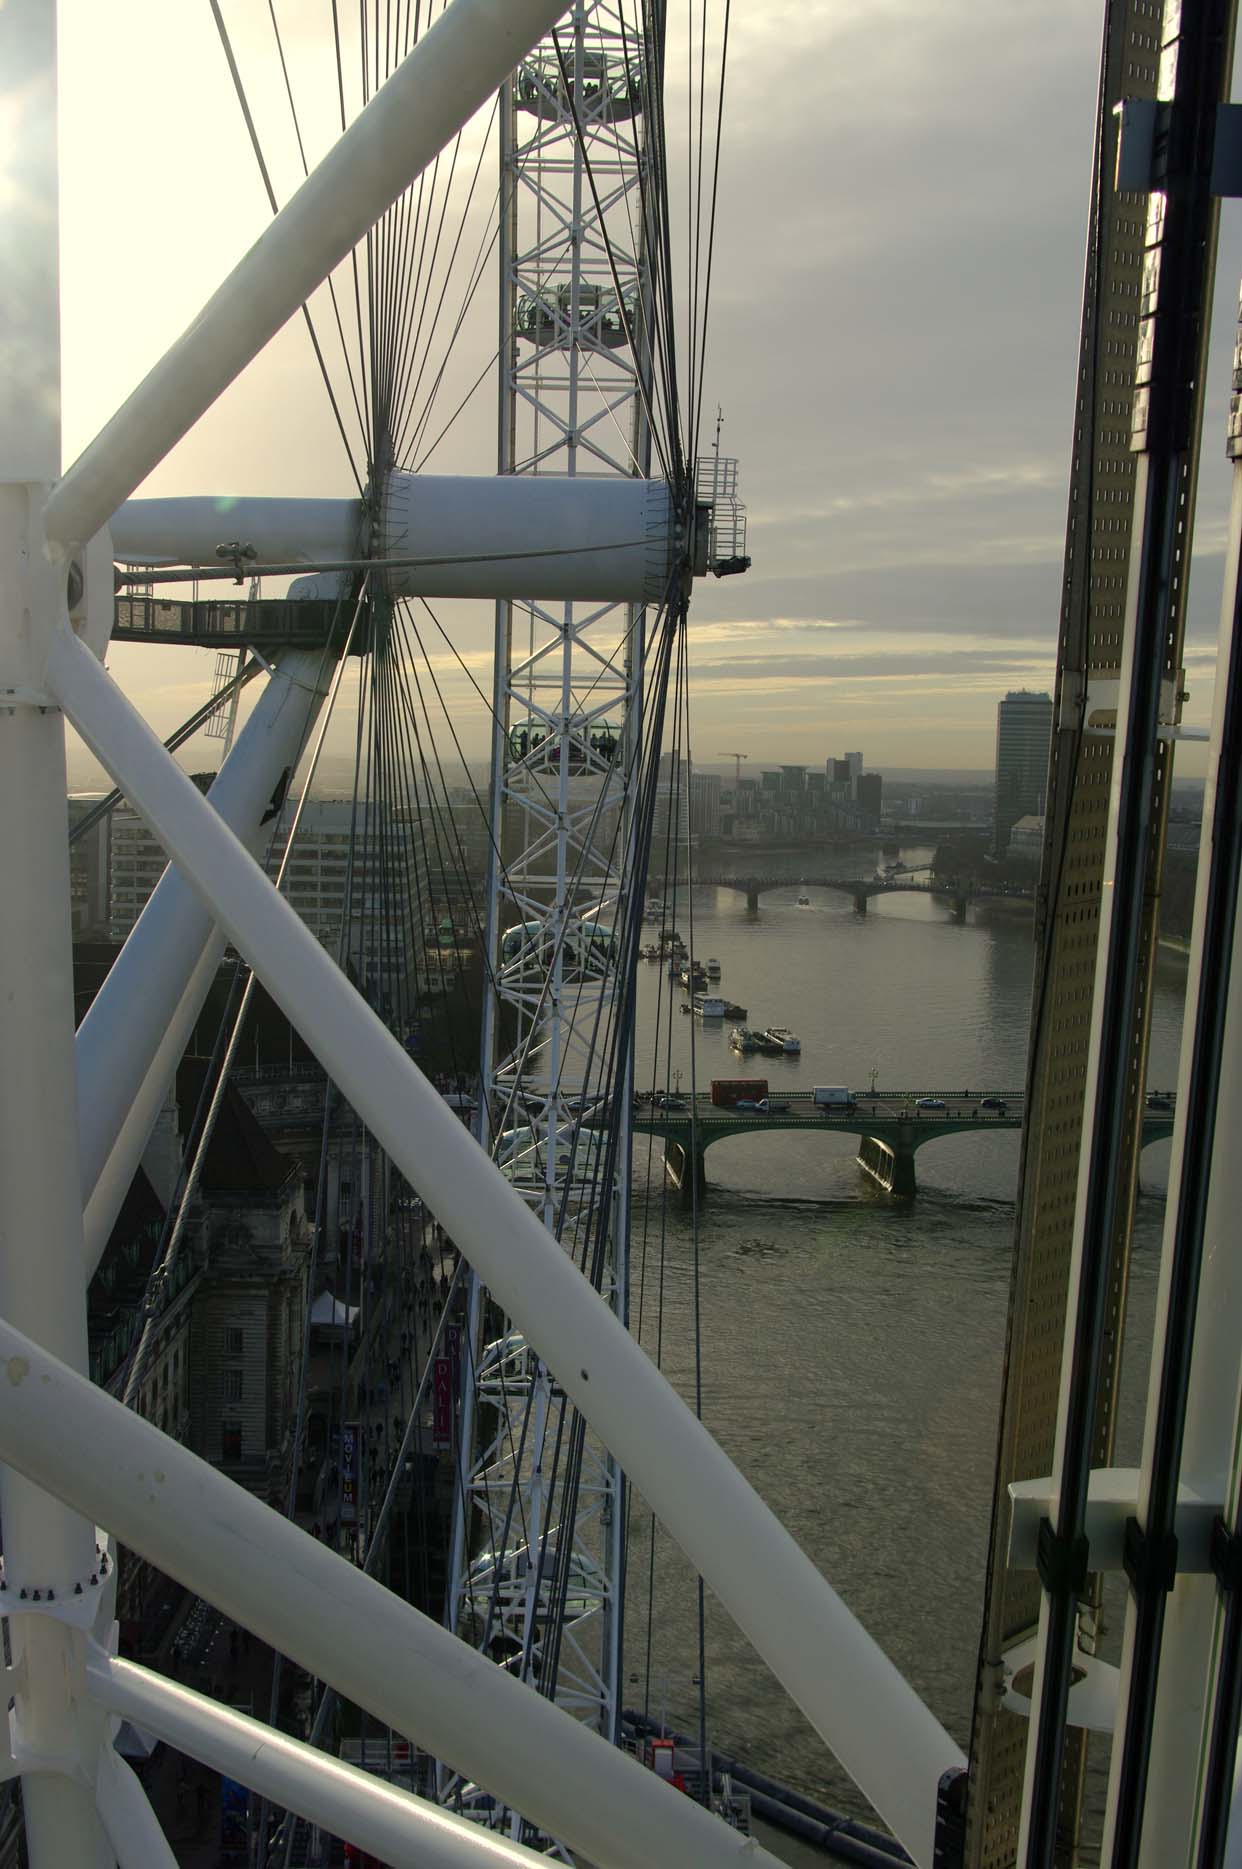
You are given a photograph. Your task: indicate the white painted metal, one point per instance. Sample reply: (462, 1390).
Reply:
(391, 1824)
(143, 1011)
(455, 67)
(868, 1715)
(187, 531)
(46, 1543)
(1112, 1498)
(1213, 1428)
(113, 1182)
(568, 680)
(339, 1624)
(474, 535)
(132, 1826)
(46, 1546)
(605, 540)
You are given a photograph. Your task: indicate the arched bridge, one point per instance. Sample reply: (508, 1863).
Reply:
(862, 888)
(890, 1124)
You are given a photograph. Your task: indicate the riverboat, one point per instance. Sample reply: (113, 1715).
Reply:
(708, 1006)
(780, 1038)
(713, 967)
(742, 1039)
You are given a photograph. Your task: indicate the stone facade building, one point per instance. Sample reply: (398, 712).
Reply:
(249, 1313)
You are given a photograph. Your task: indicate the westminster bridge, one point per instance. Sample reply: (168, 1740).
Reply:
(891, 1126)
(862, 888)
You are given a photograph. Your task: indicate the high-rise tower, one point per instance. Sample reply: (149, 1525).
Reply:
(1023, 737)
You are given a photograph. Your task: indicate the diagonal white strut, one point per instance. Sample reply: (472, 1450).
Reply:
(884, 1736)
(391, 1824)
(340, 1625)
(451, 72)
(131, 1040)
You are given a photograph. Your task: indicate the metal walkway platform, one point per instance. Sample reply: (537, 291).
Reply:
(266, 623)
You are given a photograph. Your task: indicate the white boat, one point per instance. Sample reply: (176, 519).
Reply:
(742, 1038)
(713, 967)
(788, 1041)
(804, 901)
(709, 1006)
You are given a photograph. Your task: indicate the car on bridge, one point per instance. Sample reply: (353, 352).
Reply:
(996, 1104)
(1159, 1100)
(930, 1103)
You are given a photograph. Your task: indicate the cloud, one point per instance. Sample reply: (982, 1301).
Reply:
(882, 665)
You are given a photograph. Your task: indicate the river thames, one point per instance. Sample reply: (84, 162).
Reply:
(851, 1349)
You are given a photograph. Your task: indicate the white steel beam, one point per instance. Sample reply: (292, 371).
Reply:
(451, 72)
(390, 1824)
(131, 1040)
(340, 1625)
(133, 1828)
(45, 1546)
(40, 1211)
(884, 1736)
(103, 1202)
(447, 535)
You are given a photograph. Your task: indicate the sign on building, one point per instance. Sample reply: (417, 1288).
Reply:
(349, 1473)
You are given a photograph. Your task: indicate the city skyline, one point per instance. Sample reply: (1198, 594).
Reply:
(895, 359)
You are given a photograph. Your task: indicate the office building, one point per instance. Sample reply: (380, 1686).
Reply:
(136, 863)
(1023, 739)
(89, 862)
(869, 794)
(705, 802)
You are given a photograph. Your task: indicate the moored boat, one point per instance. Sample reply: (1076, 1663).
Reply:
(742, 1038)
(709, 1006)
(782, 1039)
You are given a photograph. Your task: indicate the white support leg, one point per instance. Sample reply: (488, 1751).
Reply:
(45, 1544)
(452, 71)
(141, 1018)
(341, 1626)
(390, 1824)
(874, 1722)
(104, 1201)
(133, 1828)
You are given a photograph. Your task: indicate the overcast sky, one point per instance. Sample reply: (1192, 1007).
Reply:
(904, 189)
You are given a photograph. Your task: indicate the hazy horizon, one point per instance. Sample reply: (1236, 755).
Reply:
(896, 296)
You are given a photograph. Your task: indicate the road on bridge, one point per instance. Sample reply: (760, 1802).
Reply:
(797, 1108)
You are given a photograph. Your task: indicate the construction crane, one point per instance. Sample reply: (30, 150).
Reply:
(737, 759)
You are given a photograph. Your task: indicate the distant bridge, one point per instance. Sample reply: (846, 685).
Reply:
(889, 1124)
(862, 888)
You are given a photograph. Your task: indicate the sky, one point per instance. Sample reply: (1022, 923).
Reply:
(893, 343)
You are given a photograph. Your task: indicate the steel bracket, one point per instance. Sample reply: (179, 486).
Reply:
(1112, 1504)
(1226, 1554)
(1061, 1562)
